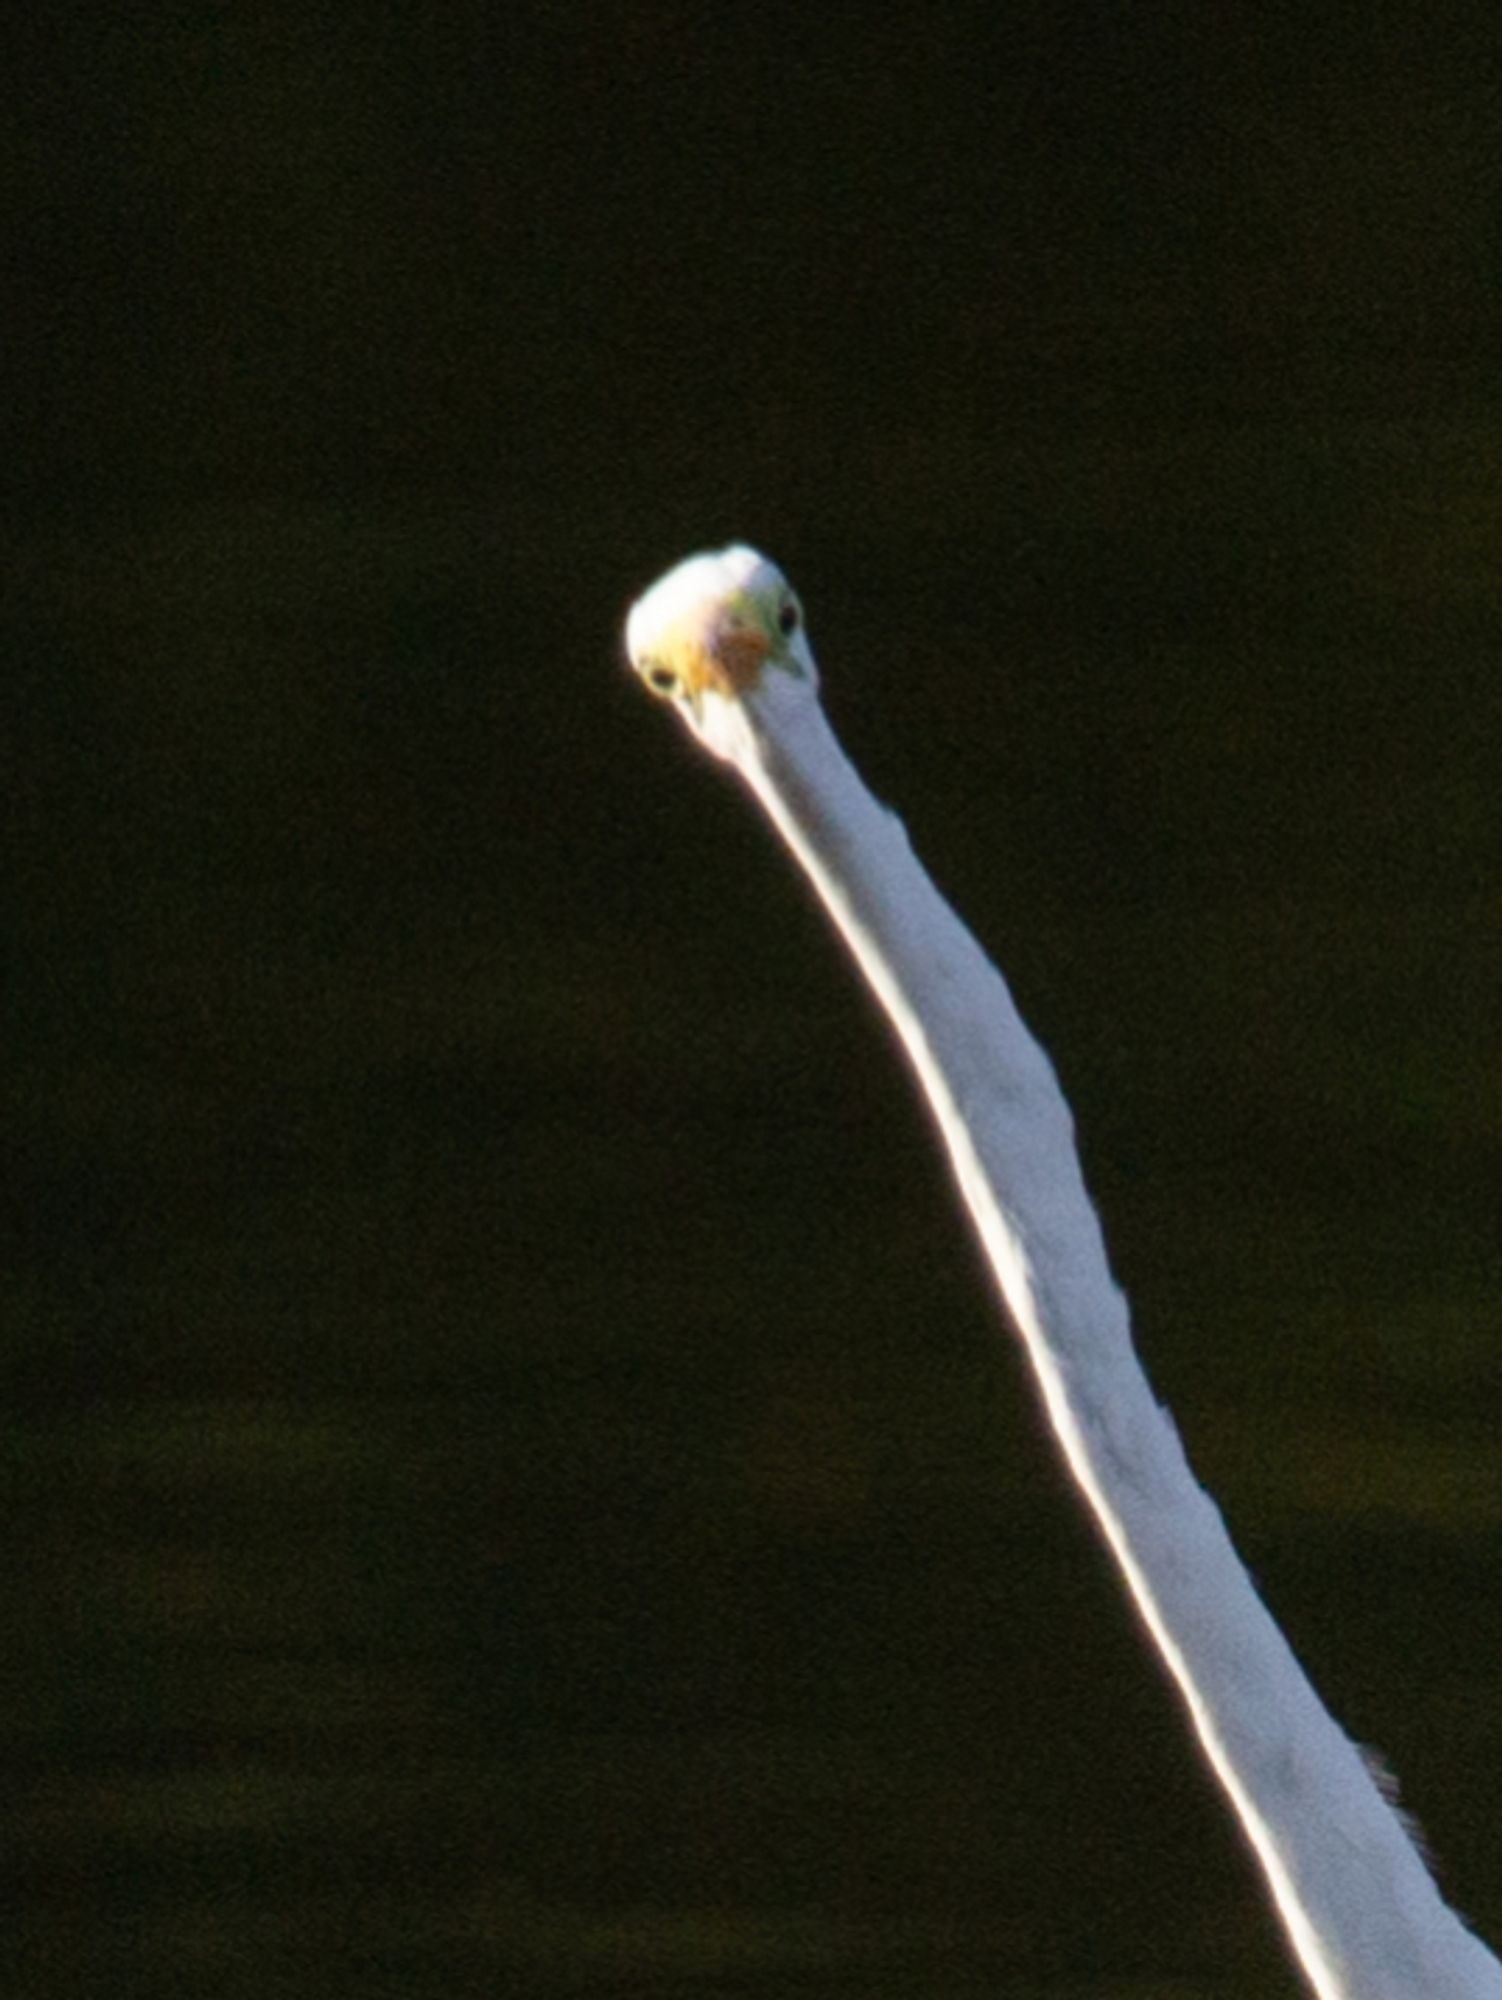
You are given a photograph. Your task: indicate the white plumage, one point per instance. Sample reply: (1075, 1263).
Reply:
(722, 637)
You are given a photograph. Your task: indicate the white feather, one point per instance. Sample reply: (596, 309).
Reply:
(1361, 1910)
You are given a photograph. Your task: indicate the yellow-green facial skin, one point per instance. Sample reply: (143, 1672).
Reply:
(712, 626)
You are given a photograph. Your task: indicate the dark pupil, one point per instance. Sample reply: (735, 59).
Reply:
(787, 618)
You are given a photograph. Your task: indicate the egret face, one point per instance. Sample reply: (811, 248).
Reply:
(712, 627)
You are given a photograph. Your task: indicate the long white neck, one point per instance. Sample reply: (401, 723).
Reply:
(1358, 1905)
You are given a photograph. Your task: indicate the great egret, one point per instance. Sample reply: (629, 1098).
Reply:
(722, 638)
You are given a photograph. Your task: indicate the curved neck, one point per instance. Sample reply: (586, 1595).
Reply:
(1359, 1907)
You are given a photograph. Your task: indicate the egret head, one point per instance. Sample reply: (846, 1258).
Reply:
(712, 630)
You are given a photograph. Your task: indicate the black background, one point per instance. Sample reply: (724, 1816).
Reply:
(514, 1485)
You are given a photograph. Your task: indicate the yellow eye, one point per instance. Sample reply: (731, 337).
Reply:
(660, 679)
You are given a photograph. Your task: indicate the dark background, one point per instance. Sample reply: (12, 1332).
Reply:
(512, 1484)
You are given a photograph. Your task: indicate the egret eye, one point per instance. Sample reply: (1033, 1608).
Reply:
(660, 679)
(788, 617)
